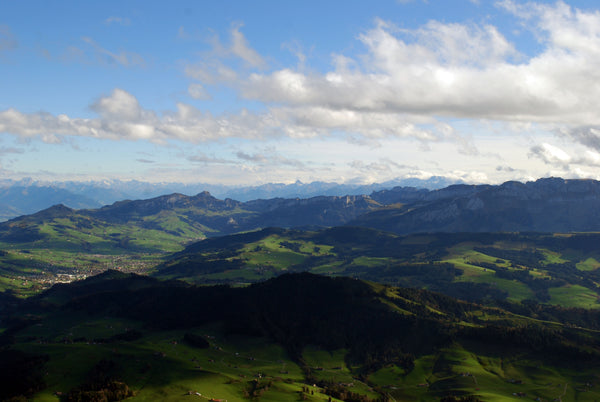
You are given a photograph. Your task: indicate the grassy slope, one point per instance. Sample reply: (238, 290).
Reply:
(289, 251)
(491, 375)
(79, 246)
(162, 367)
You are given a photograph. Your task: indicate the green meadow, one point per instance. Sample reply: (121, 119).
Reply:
(510, 267)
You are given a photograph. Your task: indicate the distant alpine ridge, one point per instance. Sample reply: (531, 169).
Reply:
(27, 196)
(546, 205)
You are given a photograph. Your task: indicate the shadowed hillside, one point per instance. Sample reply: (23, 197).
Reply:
(333, 332)
(546, 205)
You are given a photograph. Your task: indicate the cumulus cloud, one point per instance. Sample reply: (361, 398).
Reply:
(122, 117)
(557, 157)
(451, 70)
(586, 135)
(550, 154)
(120, 105)
(440, 69)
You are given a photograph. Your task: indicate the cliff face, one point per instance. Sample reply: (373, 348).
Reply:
(319, 211)
(546, 205)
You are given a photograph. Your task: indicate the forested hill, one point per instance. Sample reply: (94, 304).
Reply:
(297, 310)
(363, 334)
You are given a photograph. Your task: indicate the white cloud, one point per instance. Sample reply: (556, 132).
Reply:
(213, 69)
(212, 72)
(122, 117)
(251, 158)
(456, 70)
(269, 157)
(124, 58)
(307, 122)
(120, 105)
(197, 91)
(586, 135)
(240, 48)
(205, 159)
(117, 20)
(383, 165)
(550, 154)
(557, 157)
(296, 49)
(11, 150)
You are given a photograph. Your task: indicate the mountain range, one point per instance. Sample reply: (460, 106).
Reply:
(546, 205)
(526, 325)
(27, 196)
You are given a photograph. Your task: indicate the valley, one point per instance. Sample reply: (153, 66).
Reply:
(190, 297)
(286, 201)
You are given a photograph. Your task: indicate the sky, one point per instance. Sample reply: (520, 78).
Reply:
(252, 92)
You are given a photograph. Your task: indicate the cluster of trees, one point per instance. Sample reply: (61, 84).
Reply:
(527, 257)
(106, 392)
(438, 275)
(257, 387)
(338, 391)
(102, 385)
(196, 341)
(464, 398)
(576, 317)
(539, 286)
(20, 233)
(556, 345)
(199, 264)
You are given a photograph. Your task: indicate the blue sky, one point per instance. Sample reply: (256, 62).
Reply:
(239, 92)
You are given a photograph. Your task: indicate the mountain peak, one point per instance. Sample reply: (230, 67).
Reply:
(58, 209)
